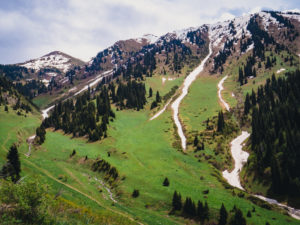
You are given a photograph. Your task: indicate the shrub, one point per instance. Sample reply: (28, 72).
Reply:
(135, 193)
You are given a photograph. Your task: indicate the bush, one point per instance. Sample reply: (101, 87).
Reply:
(23, 203)
(135, 193)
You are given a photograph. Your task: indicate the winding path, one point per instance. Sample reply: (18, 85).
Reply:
(187, 83)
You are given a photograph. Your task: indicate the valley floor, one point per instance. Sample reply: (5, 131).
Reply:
(144, 152)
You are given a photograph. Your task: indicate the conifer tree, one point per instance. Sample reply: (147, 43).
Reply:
(158, 98)
(176, 202)
(238, 218)
(200, 211)
(150, 92)
(221, 123)
(196, 141)
(166, 182)
(13, 166)
(206, 211)
(223, 215)
(40, 134)
(241, 76)
(247, 105)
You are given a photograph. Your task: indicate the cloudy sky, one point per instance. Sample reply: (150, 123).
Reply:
(81, 28)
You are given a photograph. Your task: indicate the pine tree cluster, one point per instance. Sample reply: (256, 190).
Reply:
(131, 95)
(275, 138)
(6, 86)
(111, 173)
(189, 209)
(83, 117)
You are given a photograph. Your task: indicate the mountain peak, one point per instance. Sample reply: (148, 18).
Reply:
(55, 59)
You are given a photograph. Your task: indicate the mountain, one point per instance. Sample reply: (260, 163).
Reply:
(56, 59)
(148, 130)
(171, 52)
(52, 65)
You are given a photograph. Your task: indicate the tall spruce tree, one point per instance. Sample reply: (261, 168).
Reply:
(158, 98)
(238, 218)
(13, 163)
(196, 141)
(150, 92)
(176, 202)
(223, 215)
(221, 122)
(247, 105)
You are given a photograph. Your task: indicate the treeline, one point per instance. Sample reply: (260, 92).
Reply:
(29, 89)
(253, 64)
(83, 117)
(189, 209)
(111, 173)
(13, 72)
(200, 212)
(260, 37)
(275, 138)
(7, 89)
(139, 63)
(32, 88)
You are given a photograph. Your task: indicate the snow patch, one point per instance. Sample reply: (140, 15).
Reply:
(55, 60)
(221, 88)
(240, 158)
(280, 70)
(250, 47)
(163, 79)
(45, 112)
(186, 84)
(94, 82)
(292, 11)
(46, 82)
(222, 30)
(267, 20)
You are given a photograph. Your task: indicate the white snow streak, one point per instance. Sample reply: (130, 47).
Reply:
(161, 111)
(187, 82)
(240, 157)
(280, 70)
(220, 86)
(55, 60)
(94, 82)
(45, 112)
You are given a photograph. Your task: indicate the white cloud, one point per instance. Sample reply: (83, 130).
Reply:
(83, 28)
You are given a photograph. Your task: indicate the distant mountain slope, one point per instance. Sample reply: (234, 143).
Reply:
(170, 53)
(56, 59)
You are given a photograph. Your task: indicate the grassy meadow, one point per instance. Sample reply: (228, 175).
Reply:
(144, 152)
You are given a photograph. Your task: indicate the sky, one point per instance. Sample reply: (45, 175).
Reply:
(82, 28)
